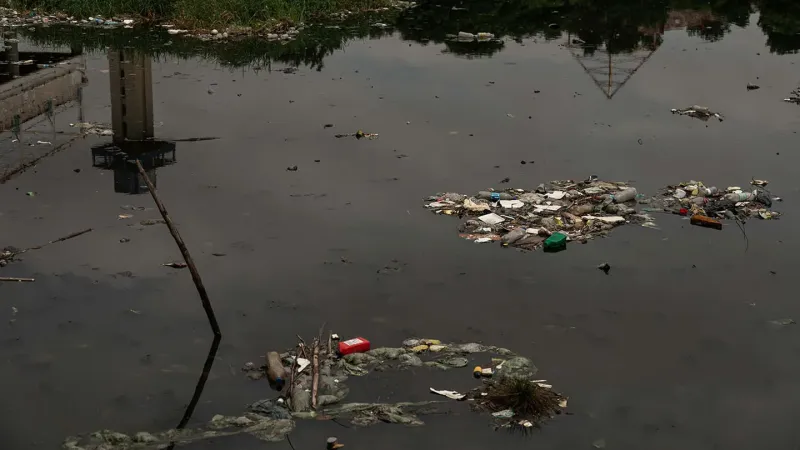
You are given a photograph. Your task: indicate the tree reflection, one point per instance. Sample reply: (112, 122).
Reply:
(617, 26)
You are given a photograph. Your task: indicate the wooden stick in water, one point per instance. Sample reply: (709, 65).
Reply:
(315, 369)
(17, 279)
(198, 282)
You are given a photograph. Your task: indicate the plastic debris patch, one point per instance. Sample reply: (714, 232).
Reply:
(505, 391)
(559, 212)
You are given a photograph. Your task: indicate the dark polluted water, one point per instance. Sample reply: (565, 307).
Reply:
(673, 348)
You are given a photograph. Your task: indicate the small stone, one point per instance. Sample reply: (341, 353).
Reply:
(471, 348)
(214, 32)
(410, 360)
(386, 352)
(144, 437)
(456, 362)
(112, 437)
(242, 421)
(411, 342)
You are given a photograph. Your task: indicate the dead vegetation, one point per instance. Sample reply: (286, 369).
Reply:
(530, 402)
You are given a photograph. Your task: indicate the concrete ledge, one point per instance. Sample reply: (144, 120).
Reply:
(28, 96)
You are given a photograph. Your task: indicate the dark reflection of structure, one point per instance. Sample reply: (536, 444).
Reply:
(15, 63)
(121, 158)
(132, 124)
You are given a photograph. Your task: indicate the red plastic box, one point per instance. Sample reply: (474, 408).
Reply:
(355, 345)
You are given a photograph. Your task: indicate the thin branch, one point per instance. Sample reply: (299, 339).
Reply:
(198, 282)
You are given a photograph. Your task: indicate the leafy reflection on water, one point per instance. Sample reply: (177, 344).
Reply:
(617, 26)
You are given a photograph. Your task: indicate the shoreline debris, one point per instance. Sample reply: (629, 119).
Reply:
(698, 112)
(272, 420)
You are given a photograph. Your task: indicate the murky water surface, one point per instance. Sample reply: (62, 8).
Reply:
(672, 349)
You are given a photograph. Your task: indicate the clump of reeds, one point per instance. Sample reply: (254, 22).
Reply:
(527, 399)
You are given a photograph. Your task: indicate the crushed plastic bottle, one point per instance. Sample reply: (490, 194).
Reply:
(625, 195)
(275, 370)
(513, 236)
(740, 196)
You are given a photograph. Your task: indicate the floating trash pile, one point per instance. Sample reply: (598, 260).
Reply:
(506, 388)
(547, 217)
(693, 198)
(565, 211)
(698, 112)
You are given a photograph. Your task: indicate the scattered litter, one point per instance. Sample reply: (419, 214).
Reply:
(355, 345)
(704, 221)
(302, 363)
(605, 219)
(504, 414)
(698, 112)
(463, 36)
(752, 87)
(292, 168)
(175, 265)
(555, 243)
(453, 395)
(332, 444)
(760, 183)
(275, 370)
(134, 311)
(512, 204)
(272, 420)
(124, 216)
(605, 267)
(491, 219)
(483, 240)
(359, 135)
(794, 97)
(44, 142)
(175, 31)
(782, 322)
